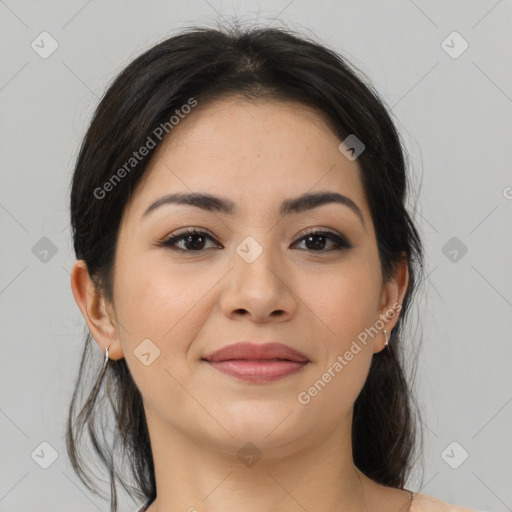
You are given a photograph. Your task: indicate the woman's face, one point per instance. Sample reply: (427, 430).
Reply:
(255, 276)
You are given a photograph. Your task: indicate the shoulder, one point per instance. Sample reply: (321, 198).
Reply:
(425, 503)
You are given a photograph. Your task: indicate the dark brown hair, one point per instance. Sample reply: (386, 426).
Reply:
(256, 63)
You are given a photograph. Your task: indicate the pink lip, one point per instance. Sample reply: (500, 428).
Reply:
(248, 350)
(257, 362)
(258, 370)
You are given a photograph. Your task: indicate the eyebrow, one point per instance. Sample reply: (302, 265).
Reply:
(299, 204)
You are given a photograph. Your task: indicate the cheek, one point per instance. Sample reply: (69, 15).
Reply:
(346, 305)
(345, 299)
(160, 313)
(346, 302)
(158, 302)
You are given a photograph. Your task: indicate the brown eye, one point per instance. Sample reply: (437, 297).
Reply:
(191, 240)
(317, 240)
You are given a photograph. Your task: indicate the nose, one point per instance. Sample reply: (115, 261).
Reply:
(259, 290)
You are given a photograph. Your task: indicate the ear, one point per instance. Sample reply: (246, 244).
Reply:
(391, 299)
(97, 312)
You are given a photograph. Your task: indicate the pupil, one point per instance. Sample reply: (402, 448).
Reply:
(316, 245)
(195, 245)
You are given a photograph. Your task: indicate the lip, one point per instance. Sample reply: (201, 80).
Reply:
(254, 362)
(258, 370)
(255, 351)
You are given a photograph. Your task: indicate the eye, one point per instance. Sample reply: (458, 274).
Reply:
(193, 240)
(316, 241)
(190, 237)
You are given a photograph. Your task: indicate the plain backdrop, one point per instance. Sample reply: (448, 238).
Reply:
(451, 97)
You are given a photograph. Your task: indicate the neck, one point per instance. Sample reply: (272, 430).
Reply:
(195, 474)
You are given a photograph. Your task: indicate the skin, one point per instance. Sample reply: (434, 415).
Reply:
(191, 304)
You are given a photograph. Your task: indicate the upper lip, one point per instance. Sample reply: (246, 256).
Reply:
(252, 351)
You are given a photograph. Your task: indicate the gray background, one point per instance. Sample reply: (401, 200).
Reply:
(455, 117)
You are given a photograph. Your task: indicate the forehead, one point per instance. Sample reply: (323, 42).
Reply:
(253, 152)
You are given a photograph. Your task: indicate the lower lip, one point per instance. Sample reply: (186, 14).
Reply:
(258, 370)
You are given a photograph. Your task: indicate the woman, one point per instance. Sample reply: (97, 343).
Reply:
(246, 262)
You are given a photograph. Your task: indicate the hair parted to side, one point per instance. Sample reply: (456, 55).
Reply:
(205, 64)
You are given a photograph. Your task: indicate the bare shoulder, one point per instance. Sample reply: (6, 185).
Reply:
(425, 503)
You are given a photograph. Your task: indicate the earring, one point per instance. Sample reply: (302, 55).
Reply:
(386, 334)
(106, 358)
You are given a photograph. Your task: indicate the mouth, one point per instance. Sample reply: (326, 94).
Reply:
(254, 362)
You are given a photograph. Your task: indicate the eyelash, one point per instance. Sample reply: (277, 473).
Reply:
(340, 242)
